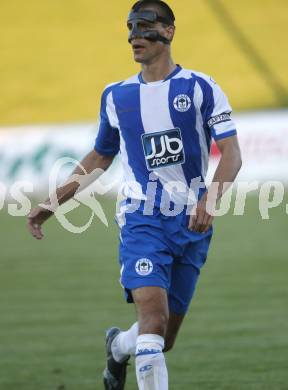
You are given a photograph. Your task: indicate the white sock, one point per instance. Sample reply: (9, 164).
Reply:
(151, 370)
(124, 344)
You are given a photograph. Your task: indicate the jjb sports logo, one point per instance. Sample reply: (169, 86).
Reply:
(144, 267)
(163, 148)
(182, 103)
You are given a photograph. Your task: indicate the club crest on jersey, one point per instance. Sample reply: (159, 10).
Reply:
(163, 148)
(182, 103)
(144, 267)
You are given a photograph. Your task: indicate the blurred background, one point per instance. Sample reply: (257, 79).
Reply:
(59, 295)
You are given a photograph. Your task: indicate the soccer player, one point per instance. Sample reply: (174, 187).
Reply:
(162, 122)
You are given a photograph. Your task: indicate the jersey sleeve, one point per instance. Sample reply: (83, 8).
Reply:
(107, 141)
(216, 112)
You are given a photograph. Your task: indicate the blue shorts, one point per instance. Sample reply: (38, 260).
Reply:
(156, 250)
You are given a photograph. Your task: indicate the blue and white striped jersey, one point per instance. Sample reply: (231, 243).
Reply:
(163, 129)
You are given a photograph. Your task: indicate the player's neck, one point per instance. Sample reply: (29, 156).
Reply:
(158, 70)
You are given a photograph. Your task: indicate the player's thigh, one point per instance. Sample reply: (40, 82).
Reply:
(185, 274)
(152, 309)
(183, 284)
(145, 259)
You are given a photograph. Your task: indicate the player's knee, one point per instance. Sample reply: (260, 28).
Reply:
(152, 311)
(151, 320)
(153, 323)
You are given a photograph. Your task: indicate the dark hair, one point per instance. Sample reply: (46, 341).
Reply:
(167, 11)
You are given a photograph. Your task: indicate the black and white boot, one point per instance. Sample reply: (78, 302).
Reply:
(114, 374)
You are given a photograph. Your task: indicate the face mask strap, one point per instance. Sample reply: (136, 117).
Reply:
(148, 16)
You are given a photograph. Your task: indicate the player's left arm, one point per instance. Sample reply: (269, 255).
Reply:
(226, 172)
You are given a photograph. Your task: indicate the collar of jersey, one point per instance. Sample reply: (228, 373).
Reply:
(177, 70)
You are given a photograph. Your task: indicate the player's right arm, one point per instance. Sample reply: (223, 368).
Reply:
(89, 169)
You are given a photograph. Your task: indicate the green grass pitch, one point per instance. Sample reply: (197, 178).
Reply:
(58, 296)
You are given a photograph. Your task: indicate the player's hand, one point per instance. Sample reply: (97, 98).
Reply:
(200, 220)
(36, 218)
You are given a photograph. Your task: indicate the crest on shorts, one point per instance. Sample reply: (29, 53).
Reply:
(182, 103)
(144, 267)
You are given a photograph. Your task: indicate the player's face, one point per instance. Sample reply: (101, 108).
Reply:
(145, 51)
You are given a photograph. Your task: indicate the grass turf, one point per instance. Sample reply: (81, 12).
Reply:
(58, 296)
